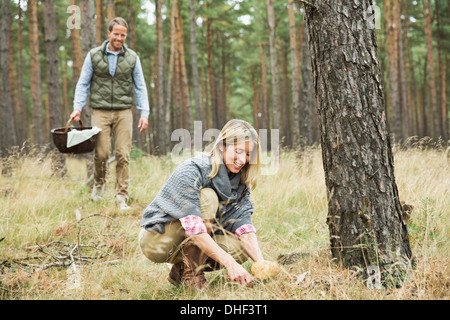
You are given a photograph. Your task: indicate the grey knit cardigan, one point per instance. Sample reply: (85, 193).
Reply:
(179, 197)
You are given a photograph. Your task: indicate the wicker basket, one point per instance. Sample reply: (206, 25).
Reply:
(60, 140)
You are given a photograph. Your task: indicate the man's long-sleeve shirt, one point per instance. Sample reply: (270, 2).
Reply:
(84, 83)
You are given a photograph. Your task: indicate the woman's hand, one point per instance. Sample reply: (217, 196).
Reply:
(238, 274)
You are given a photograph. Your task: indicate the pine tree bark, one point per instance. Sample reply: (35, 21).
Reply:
(187, 112)
(198, 106)
(99, 22)
(441, 75)
(111, 11)
(8, 130)
(212, 85)
(431, 80)
(35, 75)
(76, 50)
(365, 217)
(265, 118)
(307, 101)
(392, 52)
(51, 45)
(276, 106)
(160, 80)
(295, 81)
(402, 73)
(88, 31)
(22, 115)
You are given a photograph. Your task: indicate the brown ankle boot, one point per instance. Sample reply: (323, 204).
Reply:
(176, 273)
(194, 260)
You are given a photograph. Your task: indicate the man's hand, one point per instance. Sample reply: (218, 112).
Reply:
(75, 116)
(143, 124)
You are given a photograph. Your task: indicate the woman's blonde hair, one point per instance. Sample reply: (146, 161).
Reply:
(236, 131)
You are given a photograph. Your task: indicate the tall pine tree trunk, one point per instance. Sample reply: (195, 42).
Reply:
(365, 217)
(8, 130)
(35, 74)
(402, 74)
(276, 106)
(212, 85)
(160, 110)
(392, 51)
(295, 77)
(99, 25)
(51, 46)
(22, 115)
(198, 106)
(187, 112)
(88, 31)
(442, 74)
(431, 80)
(307, 101)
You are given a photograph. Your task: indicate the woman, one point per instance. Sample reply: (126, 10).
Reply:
(201, 218)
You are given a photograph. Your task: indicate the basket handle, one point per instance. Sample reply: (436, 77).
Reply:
(68, 124)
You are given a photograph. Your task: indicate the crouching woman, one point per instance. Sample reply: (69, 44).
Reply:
(201, 218)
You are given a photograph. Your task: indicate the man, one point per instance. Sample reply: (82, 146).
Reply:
(110, 72)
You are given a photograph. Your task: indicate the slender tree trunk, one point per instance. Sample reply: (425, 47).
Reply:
(205, 98)
(99, 22)
(76, 51)
(51, 45)
(35, 75)
(286, 118)
(160, 125)
(53, 90)
(255, 102)
(276, 107)
(198, 106)
(168, 101)
(295, 77)
(8, 131)
(424, 112)
(431, 79)
(442, 75)
(265, 116)
(402, 74)
(223, 98)
(187, 112)
(307, 101)
(413, 93)
(212, 86)
(392, 51)
(365, 217)
(65, 97)
(88, 32)
(22, 115)
(111, 12)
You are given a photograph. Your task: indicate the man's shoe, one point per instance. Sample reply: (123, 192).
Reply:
(121, 202)
(97, 192)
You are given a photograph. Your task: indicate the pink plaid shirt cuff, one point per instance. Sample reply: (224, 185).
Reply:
(246, 228)
(193, 225)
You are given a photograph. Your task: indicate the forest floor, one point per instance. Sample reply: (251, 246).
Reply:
(57, 244)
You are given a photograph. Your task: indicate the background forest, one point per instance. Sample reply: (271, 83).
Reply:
(212, 61)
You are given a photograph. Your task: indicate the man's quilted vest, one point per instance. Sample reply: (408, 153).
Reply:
(109, 92)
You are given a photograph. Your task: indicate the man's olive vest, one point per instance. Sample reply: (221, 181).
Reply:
(109, 92)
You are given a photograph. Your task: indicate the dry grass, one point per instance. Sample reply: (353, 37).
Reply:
(44, 219)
